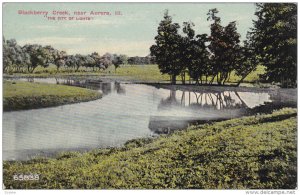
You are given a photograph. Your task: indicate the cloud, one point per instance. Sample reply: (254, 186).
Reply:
(53, 41)
(44, 27)
(105, 21)
(79, 45)
(94, 22)
(130, 48)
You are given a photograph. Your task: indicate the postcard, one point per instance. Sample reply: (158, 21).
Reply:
(149, 96)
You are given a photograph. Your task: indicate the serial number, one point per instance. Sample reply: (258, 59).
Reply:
(26, 177)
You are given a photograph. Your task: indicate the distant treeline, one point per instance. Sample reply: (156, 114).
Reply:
(27, 58)
(141, 60)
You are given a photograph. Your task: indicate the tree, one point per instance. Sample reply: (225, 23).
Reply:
(194, 53)
(117, 60)
(187, 47)
(80, 61)
(224, 46)
(13, 55)
(105, 60)
(199, 64)
(72, 61)
(167, 48)
(248, 60)
(54, 56)
(38, 56)
(60, 59)
(97, 58)
(275, 34)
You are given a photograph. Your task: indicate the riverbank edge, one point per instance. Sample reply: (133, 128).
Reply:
(21, 102)
(134, 80)
(127, 78)
(147, 145)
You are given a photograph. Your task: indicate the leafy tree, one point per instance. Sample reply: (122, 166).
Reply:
(13, 55)
(141, 60)
(275, 34)
(167, 48)
(117, 60)
(105, 60)
(79, 61)
(89, 61)
(54, 56)
(195, 55)
(71, 61)
(124, 58)
(224, 46)
(248, 60)
(96, 58)
(60, 59)
(200, 63)
(187, 47)
(38, 56)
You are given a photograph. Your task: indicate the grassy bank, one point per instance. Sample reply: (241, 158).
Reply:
(251, 152)
(145, 73)
(24, 95)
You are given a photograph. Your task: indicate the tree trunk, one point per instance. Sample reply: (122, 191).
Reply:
(77, 69)
(219, 80)
(183, 78)
(240, 81)
(245, 75)
(212, 80)
(173, 80)
(32, 69)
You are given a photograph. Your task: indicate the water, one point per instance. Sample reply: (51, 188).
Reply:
(125, 112)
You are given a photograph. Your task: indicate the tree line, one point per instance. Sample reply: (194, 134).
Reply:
(271, 42)
(27, 58)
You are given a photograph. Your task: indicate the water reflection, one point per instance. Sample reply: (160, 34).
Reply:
(202, 107)
(94, 84)
(125, 112)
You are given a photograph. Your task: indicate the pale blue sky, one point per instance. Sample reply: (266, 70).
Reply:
(132, 33)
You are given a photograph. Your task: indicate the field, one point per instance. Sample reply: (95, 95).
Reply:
(252, 152)
(26, 95)
(143, 73)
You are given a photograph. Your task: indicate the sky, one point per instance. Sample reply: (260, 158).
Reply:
(131, 33)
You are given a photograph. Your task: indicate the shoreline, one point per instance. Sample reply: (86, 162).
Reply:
(20, 95)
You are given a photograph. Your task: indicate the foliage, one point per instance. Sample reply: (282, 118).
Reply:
(275, 35)
(117, 60)
(25, 95)
(29, 57)
(195, 55)
(257, 152)
(136, 60)
(224, 47)
(13, 56)
(167, 50)
(248, 60)
(216, 56)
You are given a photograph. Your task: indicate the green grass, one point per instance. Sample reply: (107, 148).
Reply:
(24, 95)
(252, 152)
(144, 73)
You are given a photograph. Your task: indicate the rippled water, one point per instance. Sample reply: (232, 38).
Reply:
(125, 112)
